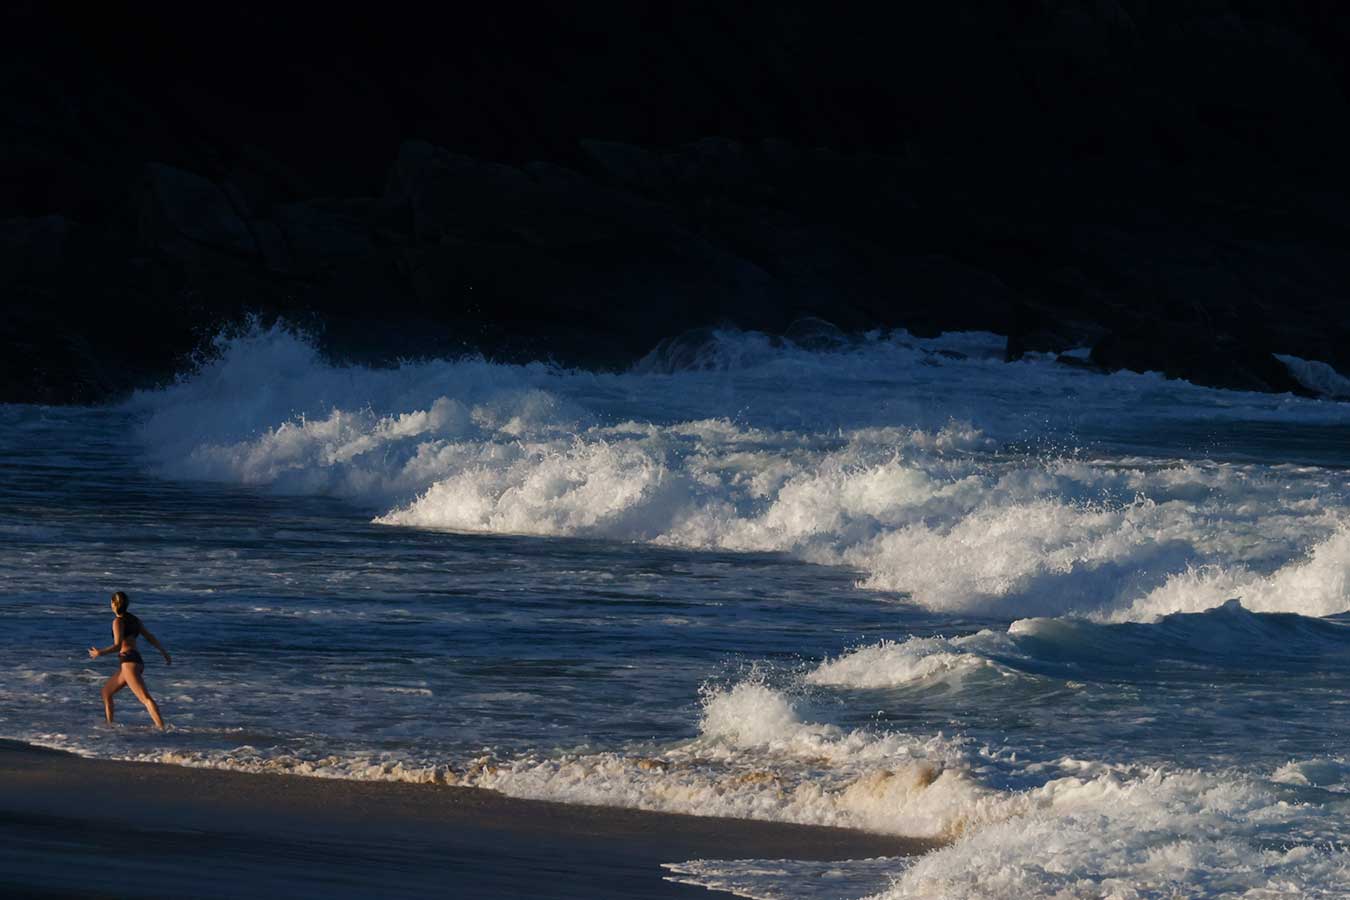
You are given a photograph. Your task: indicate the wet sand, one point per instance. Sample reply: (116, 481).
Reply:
(71, 826)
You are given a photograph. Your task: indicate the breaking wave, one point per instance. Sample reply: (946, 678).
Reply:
(1227, 637)
(1112, 553)
(905, 460)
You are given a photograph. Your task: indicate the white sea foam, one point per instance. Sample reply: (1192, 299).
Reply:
(790, 879)
(885, 456)
(1317, 584)
(754, 758)
(1084, 509)
(1328, 773)
(914, 660)
(1155, 834)
(1227, 636)
(1016, 827)
(1084, 830)
(1318, 376)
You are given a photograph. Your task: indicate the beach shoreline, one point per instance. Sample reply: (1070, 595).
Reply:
(76, 826)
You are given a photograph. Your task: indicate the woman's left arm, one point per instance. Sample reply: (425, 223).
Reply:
(168, 660)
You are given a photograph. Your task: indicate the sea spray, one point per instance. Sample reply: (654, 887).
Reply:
(946, 511)
(991, 656)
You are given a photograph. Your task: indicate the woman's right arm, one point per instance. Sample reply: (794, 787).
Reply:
(95, 652)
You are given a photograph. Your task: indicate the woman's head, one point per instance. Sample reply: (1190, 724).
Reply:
(120, 602)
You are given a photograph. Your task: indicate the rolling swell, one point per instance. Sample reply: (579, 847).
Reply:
(1226, 638)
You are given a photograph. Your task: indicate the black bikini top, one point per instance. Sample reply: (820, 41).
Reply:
(131, 626)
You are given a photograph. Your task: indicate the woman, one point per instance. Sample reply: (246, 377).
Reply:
(126, 628)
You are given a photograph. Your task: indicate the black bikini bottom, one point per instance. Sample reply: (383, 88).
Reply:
(131, 656)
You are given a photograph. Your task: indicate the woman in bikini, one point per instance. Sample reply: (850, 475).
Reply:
(126, 628)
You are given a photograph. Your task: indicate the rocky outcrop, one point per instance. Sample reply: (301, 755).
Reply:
(1216, 360)
(189, 216)
(555, 248)
(1161, 182)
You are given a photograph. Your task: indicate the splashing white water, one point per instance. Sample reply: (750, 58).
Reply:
(1317, 584)
(1317, 376)
(1014, 827)
(846, 458)
(1086, 755)
(915, 661)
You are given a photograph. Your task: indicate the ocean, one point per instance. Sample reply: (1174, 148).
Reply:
(1090, 629)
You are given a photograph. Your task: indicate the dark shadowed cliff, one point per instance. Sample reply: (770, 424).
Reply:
(1163, 181)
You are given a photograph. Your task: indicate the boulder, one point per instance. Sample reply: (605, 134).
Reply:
(32, 248)
(43, 364)
(1221, 361)
(451, 195)
(315, 232)
(189, 217)
(812, 333)
(934, 293)
(627, 166)
(543, 249)
(1041, 328)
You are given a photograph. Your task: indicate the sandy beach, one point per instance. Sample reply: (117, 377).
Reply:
(71, 826)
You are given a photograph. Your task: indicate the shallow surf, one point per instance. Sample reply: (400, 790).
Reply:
(897, 585)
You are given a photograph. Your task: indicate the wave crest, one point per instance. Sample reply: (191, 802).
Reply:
(886, 455)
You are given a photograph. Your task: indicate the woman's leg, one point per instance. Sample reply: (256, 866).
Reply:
(114, 684)
(132, 673)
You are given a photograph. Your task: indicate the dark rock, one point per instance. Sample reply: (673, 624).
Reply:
(313, 233)
(614, 174)
(37, 369)
(272, 246)
(31, 248)
(811, 333)
(1216, 361)
(628, 166)
(184, 215)
(1078, 362)
(1043, 329)
(181, 209)
(547, 248)
(939, 293)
